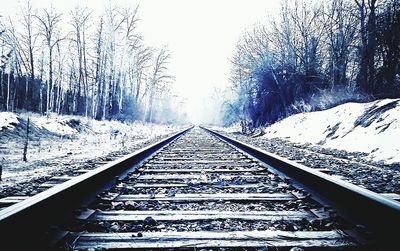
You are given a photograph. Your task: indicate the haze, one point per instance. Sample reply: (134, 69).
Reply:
(201, 36)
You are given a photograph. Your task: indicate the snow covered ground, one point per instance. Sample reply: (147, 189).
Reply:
(372, 128)
(356, 142)
(60, 142)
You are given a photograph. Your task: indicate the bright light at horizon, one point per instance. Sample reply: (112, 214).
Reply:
(201, 36)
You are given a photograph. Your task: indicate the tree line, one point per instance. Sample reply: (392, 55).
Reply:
(79, 63)
(312, 56)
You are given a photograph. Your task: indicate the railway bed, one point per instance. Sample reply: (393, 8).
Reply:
(200, 190)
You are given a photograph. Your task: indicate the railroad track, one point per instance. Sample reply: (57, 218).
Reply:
(199, 189)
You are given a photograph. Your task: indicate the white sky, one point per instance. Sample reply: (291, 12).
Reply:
(201, 36)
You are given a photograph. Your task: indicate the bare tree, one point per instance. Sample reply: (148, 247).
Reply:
(367, 47)
(388, 48)
(97, 102)
(79, 19)
(28, 38)
(159, 75)
(340, 40)
(49, 21)
(113, 23)
(131, 43)
(106, 72)
(12, 67)
(142, 59)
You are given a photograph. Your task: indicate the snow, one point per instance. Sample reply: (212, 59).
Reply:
(53, 125)
(58, 141)
(231, 129)
(372, 128)
(7, 119)
(61, 125)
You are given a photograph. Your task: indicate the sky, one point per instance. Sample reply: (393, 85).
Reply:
(200, 34)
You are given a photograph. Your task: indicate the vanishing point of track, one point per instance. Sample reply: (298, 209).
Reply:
(199, 189)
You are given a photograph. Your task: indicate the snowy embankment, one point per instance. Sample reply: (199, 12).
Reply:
(58, 143)
(372, 128)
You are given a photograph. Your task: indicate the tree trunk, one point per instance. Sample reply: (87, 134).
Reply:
(363, 74)
(50, 80)
(151, 101)
(26, 142)
(371, 46)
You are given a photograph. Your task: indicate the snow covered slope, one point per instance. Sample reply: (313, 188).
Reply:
(373, 128)
(57, 142)
(76, 126)
(8, 120)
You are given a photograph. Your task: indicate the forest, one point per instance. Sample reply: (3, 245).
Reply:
(80, 63)
(312, 56)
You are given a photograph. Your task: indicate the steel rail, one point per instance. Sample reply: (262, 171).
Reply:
(22, 224)
(357, 204)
